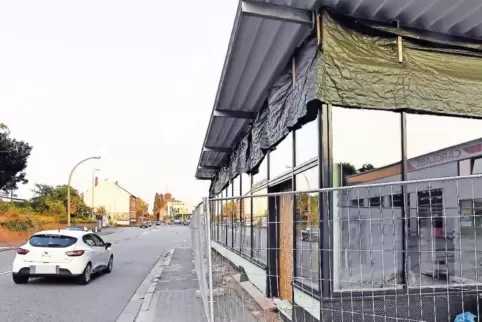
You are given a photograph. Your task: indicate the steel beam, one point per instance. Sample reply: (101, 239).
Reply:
(275, 12)
(217, 149)
(235, 114)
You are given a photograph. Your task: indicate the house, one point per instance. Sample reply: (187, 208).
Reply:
(119, 203)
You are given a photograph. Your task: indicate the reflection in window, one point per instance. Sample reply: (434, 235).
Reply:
(307, 142)
(246, 215)
(367, 230)
(234, 205)
(262, 172)
(280, 159)
(443, 234)
(477, 168)
(260, 226)
(307, 230)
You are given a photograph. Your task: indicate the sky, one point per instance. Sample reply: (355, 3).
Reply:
(131, 81)
(135, 82)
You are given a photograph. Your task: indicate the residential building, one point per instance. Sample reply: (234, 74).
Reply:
(119, 203)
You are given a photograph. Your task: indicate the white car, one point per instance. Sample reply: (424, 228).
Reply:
(67, 253)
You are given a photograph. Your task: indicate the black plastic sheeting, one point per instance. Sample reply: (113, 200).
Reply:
(286, 108)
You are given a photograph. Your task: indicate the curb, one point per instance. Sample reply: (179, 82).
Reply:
(4, 249)
(137, 307)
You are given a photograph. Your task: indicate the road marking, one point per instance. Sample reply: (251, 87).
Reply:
(5, 273)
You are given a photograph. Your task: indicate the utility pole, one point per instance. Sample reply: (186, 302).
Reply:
(93, 188)
(68, 184)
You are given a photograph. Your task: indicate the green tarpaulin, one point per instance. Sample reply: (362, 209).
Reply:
(359, 67)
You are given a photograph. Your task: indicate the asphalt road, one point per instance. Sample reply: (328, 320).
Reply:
(135, 250)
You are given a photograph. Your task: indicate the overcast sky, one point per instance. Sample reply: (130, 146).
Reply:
(133, 81)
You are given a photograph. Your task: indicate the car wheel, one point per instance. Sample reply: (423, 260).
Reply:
(110, 265)
(84, 279)
(20, 279)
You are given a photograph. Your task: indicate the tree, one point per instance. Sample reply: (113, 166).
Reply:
(13, 160)
(45, 196)
(141, 207)
(231, 209)
(348, 169)
(366, 167)
(160, 203)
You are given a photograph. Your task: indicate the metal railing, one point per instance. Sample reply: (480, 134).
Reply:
(394, 251)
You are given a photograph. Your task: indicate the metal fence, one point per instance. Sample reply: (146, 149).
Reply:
(396, 251)
(201, 246)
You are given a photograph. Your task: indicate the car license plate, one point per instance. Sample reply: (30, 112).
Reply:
(43, 269)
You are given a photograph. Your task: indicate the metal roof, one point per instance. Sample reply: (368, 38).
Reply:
(265, 35)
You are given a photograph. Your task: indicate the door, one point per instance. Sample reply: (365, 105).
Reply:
(285, 215)
(101, 250)
(92, 251)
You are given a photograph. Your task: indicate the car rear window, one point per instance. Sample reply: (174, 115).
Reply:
(59, 241)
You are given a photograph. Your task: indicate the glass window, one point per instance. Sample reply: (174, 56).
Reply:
(246, 216)
(236, 215)
(477, 168)
(59, 241)
(98, 241)
(224, 219)
(465, 167)
(307, 142)
(246, 184)
(307, 230)
(443, 234)
(367, 231)
(262, 172)
(281, 159)
(260, 226)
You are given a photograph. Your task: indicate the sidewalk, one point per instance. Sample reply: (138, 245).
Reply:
(175, 295)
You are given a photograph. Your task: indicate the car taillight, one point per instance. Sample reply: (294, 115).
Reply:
(75, 253)
(22, 251)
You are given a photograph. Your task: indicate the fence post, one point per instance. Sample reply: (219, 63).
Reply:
(207, 213)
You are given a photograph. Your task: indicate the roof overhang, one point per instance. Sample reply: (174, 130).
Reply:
(265, 36)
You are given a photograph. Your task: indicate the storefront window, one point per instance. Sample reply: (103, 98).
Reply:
(307, 142)
(236, 215)
(307, 230)
(367, 227)
(262, 172)
(223, 221)
(246, 215)
(260, 226)
(444, 226)
(281, 159)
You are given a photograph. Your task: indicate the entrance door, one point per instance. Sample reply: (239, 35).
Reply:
(285, 215)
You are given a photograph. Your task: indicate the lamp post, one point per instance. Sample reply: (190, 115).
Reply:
(68, 184)
(93, 187)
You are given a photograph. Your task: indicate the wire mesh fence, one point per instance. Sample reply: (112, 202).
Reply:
(397, 251)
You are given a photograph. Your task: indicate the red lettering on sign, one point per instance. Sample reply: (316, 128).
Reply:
(473, 149)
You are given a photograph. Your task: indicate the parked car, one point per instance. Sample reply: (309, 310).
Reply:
(144, 225)
(310, 234)
(157, 223)
(177, 221)
(78, 228)
(67, 253)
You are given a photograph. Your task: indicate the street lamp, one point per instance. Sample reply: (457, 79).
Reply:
(68, 184)
(93, 187)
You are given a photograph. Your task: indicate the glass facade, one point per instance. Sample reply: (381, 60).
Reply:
(260, 226)
(440, 243)
(307, 230)
(367, 232)
(306, 142)
(280, 159)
